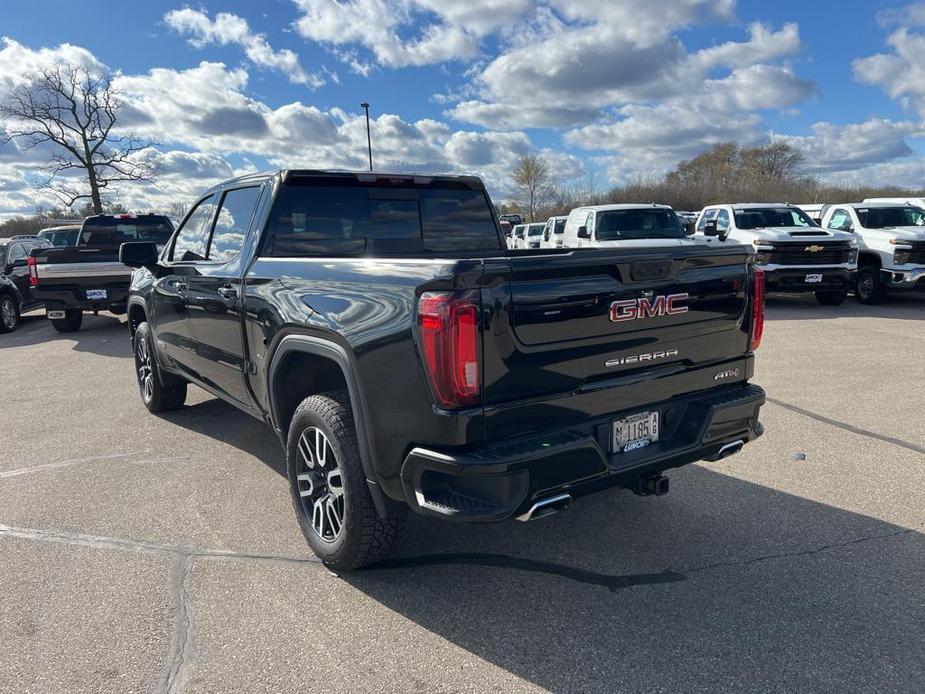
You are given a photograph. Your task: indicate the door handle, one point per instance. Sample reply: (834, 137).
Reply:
(228, 292)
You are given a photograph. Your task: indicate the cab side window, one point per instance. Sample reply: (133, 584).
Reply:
(232, 223)
(841, 219)
(193, 236)
(722, 220)
(705, 217)
(17, 252)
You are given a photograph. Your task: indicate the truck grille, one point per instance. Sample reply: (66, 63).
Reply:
(808, 253)
(917, 255)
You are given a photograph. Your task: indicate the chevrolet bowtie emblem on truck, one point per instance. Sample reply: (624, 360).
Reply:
(646, 307)
(814, 249)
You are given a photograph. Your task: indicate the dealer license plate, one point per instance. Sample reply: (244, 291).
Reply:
(812, 279)
(93, 294)
(635, 431)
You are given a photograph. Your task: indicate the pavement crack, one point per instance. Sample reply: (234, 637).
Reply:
(65, 463)
(127, 545)
(799, 553)
(849, 427)
(182, 645)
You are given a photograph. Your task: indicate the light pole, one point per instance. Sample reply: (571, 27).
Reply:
(369, 141)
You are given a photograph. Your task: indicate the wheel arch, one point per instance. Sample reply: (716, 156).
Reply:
(137, 312)
(866, 258)
(322, 365)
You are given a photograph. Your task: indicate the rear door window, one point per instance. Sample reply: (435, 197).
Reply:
(193, 237)
(232, 223)
(315, 218)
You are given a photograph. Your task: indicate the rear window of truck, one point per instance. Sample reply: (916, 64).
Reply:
(309, 219)
(114, 231)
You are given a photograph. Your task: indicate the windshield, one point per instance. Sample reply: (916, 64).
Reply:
(535, 229)
(883, 217)
(772, 217)
(647, 223)
(114, 231)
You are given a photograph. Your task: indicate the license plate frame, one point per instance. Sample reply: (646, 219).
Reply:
(813, 278)
(97, 294)
(634, 431)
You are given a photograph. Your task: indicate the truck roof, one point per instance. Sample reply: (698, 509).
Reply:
(752, 205)
(623, 206)
(366, 176)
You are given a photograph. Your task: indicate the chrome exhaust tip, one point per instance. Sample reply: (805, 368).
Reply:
(546, 507)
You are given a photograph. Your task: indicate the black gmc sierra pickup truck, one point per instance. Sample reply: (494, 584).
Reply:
(406, 359)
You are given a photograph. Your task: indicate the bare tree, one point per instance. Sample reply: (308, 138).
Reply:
(75, 111)
(777, 161)
(533, 179)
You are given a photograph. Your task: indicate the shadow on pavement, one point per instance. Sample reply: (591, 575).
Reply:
(220, 421)
(721, 586)
(105, 334)
(907, 306)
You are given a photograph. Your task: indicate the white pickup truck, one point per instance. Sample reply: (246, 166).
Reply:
(891, 237)
(795, 254)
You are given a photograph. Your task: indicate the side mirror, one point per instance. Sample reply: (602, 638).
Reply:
(583, 232)
(709, 228)
(139, 254)
(19, 262)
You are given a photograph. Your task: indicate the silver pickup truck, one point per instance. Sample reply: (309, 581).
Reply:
(89, 276)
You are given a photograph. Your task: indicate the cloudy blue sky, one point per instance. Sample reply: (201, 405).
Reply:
(608, 90)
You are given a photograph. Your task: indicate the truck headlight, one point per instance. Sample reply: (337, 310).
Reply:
(900, 257)
(763, 254)
(852, 255)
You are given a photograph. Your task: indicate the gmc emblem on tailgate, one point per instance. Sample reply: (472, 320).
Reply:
(631, 309)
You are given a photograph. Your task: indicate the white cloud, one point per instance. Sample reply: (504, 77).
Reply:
(229, 28)
(579, 69)
(854, 147)
(407, 32)
(900, 73)
(19, 64)
(650, 139)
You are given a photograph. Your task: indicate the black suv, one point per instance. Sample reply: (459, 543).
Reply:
(14, 279)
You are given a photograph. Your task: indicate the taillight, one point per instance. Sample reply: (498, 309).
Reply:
(757, 309)
(449, 333)
(33, 272)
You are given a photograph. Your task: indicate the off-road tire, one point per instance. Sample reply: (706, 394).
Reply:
(9, 314)
(160, 391)
(364, 537)
(869, 288)
(71, 322)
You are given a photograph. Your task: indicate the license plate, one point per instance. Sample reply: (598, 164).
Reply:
(96, 294)
(812, 279)
(635, 431)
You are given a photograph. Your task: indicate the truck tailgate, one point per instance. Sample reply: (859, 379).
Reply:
(564, 324)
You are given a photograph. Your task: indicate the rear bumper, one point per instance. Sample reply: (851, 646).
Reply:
(904, 279)
(794, 280)
(75, 297)
(506, 479)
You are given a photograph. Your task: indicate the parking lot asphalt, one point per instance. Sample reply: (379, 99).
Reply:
(144, 553)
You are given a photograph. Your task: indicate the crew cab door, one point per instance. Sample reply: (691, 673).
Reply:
(214, 298)
(168, 310)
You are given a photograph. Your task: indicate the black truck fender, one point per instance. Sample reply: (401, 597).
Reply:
(310, 344)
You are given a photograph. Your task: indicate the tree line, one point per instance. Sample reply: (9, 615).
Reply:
(726, 173)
